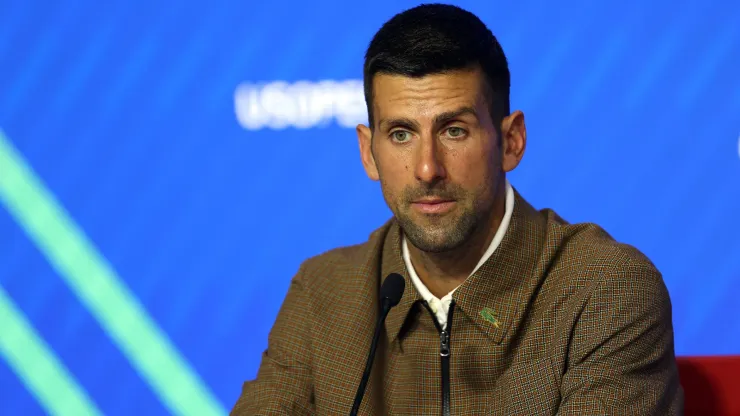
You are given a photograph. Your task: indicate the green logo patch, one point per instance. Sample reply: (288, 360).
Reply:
(489, 315)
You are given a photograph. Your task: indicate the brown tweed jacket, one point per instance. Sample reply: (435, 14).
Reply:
(577, 324)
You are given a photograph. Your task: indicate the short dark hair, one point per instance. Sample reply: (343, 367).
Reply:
(433, 39)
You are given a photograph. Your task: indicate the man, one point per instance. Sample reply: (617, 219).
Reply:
(530, 315)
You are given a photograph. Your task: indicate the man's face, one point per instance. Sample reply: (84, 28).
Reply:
(437, 155)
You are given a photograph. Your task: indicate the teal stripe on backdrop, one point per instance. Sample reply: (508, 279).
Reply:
(98, 287)
(37, 367)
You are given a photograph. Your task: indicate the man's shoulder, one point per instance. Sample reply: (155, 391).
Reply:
(587, 254)
(593, 278)
(590, 244)
(346, 263)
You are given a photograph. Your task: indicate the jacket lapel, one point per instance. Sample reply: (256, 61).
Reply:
(495, 296)
(392, 262)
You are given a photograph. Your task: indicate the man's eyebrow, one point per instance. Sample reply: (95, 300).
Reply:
(408, 123)
(439, 119)
(445, 117)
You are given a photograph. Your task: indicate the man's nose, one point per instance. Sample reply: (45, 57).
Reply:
(429, 167)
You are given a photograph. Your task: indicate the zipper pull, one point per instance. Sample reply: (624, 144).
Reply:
(444, 343)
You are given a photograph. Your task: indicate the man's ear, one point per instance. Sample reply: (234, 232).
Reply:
(513, 140)
(365, 140)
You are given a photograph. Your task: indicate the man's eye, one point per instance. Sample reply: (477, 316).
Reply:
(455, 132)
(401, 136)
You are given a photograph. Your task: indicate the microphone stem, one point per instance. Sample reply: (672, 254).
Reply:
(370, 358)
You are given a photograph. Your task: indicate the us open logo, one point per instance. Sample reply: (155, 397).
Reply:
(302, 105)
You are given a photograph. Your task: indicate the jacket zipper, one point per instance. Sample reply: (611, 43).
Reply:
(444, 354)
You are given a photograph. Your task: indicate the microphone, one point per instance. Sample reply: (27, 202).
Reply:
(390, 295)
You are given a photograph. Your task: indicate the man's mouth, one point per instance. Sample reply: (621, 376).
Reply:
(433, 205)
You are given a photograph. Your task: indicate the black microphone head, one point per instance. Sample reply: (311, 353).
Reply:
(392, 289)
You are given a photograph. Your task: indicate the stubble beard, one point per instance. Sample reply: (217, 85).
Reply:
(439, 234)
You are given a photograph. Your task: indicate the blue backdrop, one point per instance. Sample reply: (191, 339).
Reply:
(166, 166)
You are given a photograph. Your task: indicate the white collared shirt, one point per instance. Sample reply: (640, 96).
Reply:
(441, 307)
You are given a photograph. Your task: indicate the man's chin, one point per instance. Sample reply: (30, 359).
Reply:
(429, 244)
(431, 238)
(431, 226)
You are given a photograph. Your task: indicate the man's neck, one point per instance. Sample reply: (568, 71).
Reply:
(443, 272)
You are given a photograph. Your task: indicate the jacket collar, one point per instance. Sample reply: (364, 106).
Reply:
(392, 262)
(495, 296)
